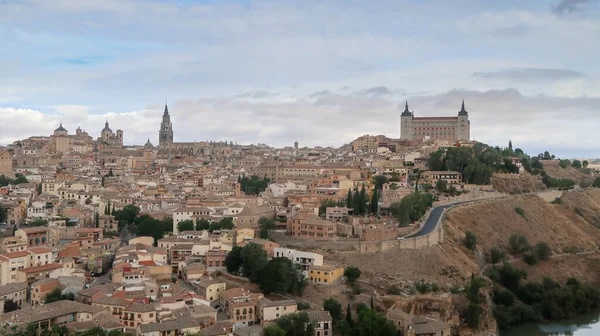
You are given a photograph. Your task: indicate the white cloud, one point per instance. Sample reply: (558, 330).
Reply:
(532, 122)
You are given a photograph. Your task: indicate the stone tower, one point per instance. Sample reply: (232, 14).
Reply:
(406, 124)
(463, 126)
(165, 135)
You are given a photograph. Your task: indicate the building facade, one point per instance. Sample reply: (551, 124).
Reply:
(450, 129)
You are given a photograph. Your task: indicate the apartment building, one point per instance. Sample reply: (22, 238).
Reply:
(313, 227)
(325, 274)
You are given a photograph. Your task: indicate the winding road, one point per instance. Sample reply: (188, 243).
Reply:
(435, 216)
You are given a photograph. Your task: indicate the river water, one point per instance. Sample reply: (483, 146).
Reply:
(584, 325)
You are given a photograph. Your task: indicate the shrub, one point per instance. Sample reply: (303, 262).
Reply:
(470, 240)
(497, 255)
(394, 290)
(530, 258)
(542, 251)
(424, 287)
(356, 290)
(557, 200)
(303, 305)
(520, 212)
(577, 211)
(518, 244)
(455, 290)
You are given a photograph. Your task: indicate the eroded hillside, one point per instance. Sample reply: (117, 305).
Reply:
(581, 176)
(559, 225)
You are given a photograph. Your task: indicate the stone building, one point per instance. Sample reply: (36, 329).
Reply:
(108, 138)
(200, 149)
(451, 129)
(6, 164)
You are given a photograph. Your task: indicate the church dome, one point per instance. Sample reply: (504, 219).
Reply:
(106, 128)
(60, 129)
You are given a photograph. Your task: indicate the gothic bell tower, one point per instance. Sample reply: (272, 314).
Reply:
(165, 135)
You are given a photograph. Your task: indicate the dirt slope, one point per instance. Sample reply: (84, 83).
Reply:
(586, 268)
(581, 176)
(493, 222)
(445, 265)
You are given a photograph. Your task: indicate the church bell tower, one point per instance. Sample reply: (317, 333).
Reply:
(165, 135)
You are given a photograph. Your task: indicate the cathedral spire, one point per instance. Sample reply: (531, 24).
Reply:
(406, 111)
(462, 109)
(166, 108)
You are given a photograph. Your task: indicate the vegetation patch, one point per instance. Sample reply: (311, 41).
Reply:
(517, 302)
(521, 212)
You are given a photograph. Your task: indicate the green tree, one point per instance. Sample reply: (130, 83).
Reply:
(412, 207)
(518, 244)
(352, 273)
(596, 183)
(296, 324)
(436, 162)
(361, 306)
(20, 179)
(128, 214)
(233, 261)
(576, 164)
(273, 330)
(202, 224)
(147, 226)
(470, 240)
(39, 222)
(474, 310)
(226, 223)
(374, 202)
(56, 295)
(362, 205)
(441, 185)
(281, 276)
(371, 323)
(542, 251)
(379, 181)
(334, 308)
(3, 215)
(349, 202)
(254, 258)
(349, 316)
(253, 185)
(265, 226)
(185, 225)
(585, 163)
(497, 255)
(510, 144)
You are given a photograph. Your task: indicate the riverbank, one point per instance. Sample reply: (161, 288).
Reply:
(583, 325)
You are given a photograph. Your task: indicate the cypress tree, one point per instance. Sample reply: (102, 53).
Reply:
(349, 315)
(349, 203)
(375, 201)
(372, 303)
(363, 201)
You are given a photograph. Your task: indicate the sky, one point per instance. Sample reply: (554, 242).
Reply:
(320, 72)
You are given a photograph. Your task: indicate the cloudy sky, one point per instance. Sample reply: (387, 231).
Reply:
(321, 72)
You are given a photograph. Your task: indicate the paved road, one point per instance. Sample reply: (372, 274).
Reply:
(434, 216)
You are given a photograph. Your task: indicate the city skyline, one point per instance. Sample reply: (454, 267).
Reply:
(514, 64)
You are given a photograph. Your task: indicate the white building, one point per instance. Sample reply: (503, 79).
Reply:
(302, 258)
(279, 189)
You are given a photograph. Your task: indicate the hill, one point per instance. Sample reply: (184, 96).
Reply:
(559, 225)
(582, 176)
